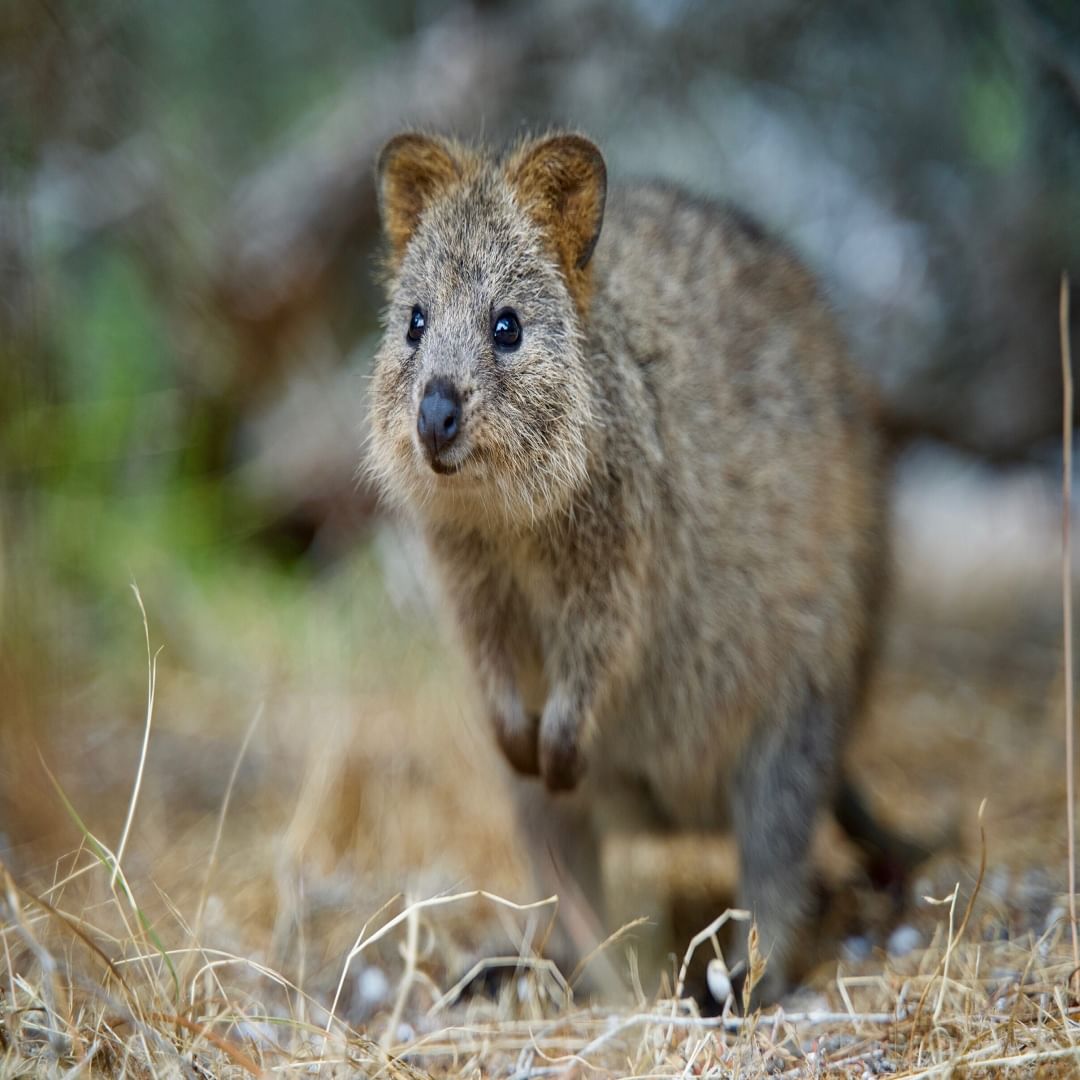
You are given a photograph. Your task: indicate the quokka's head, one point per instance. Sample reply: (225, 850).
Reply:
(482, 400)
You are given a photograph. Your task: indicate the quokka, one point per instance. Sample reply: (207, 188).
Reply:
(648, 479)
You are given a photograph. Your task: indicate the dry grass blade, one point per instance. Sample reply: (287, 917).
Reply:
(107, 859)
(1066, 598)
(607, 943)
(363, 942)
(515, 963)
(211, 861)
(72, 928)
(202, 1031)
(151, 676)
(952, 938)
(412, 928)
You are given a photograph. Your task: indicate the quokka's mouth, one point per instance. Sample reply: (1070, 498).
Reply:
(448, 464)
(451, 461)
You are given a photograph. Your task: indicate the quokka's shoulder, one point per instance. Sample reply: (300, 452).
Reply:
(652, 209)
(658, 229)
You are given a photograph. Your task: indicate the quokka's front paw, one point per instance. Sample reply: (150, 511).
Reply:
(518, 735)
(562, 759)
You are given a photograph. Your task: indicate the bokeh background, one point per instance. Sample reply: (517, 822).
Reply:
(188, 309)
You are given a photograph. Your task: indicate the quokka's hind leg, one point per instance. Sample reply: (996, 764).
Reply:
(891, 857)
(564, 853)
(638, 881)
(567, 835)
(784, 777)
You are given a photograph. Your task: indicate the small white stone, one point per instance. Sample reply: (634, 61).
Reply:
(719, 980)
(903, 940)
(921, 887)
(997, 883)
(857, 948)
(255, 1031)
(1056, 915)
(372, 985)
(214, 912)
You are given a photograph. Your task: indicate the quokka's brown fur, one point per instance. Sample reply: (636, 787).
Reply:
(658, 517)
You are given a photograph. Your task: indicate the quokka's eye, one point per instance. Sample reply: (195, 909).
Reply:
(417, 325)
(506, 329)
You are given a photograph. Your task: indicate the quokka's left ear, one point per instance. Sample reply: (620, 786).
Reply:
(561, 182)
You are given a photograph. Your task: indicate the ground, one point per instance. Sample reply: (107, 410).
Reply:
(320, 805)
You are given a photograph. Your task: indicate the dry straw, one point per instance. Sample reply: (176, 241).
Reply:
(86, 989)
(90, 986)
(1066, 598)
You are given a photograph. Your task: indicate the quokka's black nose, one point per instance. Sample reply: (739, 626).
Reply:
(439, 420)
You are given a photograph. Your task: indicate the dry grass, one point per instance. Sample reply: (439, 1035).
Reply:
(91, 987)
(258, 938)
(210, 886)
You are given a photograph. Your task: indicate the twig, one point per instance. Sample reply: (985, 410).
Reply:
(813, 1018)
(1066, 599)
(949, 944)
(954, 1065)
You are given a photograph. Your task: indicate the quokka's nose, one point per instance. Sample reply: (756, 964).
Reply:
(439, 420)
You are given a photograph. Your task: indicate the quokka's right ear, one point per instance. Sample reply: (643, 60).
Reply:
(411, 170)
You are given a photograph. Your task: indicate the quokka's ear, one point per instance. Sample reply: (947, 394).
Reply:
(561, 182)
(412, 169)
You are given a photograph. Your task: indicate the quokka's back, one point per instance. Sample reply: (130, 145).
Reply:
(648, 480)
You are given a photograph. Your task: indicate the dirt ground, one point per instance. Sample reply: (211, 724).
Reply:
(312, 761)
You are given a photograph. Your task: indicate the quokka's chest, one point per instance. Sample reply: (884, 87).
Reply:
(538, 589)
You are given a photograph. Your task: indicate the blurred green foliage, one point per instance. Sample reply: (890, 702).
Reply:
(993, 107)
(130, 128)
